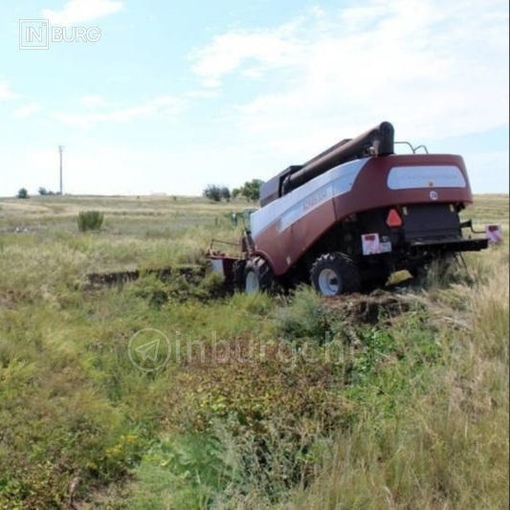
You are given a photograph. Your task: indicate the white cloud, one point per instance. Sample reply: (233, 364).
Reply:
(247, 50)
(167, 105)
(27, 111)
(93, 101)
(82, 11)
(6, 93)
(433, 68)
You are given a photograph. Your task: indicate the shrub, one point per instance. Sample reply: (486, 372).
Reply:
(46, 192)
(213, 192)
(305, 318)
(249, 190)
(22, 193)
(90, 220)
(217, 193)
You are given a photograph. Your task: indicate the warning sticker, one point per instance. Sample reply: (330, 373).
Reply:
(371, 244)
(494, 234)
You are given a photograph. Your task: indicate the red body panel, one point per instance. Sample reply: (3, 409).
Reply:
(283, 247)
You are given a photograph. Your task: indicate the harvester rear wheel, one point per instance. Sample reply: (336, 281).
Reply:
(333, 274)
(258, 276)
(238, 269)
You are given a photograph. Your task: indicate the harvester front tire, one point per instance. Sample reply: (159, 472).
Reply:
(258, 276)
(333, 274)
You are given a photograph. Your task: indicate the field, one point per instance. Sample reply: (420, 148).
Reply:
(398, 399)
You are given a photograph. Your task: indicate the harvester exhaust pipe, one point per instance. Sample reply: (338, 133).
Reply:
(378, 141)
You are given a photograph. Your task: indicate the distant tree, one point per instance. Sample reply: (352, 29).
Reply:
(217, 193)
(250, 190)
(22, 193)
(225, 194)
(46, 192)
(213, 192)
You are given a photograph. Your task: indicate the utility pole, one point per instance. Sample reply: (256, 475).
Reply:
(61, 150)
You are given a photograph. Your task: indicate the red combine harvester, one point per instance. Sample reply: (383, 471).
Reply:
(351, 216)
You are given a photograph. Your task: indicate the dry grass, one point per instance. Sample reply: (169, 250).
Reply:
(426, 390)
(447, 446)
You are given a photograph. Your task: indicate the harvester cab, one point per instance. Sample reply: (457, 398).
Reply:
(354, 214)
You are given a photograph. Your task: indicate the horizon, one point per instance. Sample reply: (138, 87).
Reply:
(172, 196)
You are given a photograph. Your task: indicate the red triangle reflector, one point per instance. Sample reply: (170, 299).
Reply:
(393, 219)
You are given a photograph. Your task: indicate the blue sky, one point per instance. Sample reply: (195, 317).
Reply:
(173, 96)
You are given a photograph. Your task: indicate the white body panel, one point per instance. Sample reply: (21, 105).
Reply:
(299, 202)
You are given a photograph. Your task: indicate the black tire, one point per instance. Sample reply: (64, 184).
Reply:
(258, 276)
(238, 269)
(333, 274)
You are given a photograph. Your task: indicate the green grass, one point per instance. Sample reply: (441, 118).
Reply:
(264, 402)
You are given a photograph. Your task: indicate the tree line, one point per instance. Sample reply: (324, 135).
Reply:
(23, 193)
(250, 190)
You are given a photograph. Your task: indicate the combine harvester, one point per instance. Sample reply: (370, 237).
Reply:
(353, 215)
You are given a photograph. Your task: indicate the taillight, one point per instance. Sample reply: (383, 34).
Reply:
(393, 219)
